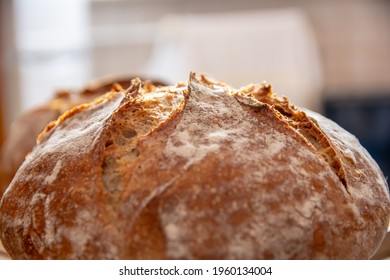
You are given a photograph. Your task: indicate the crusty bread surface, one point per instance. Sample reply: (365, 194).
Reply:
(199, 170)
(22, 136)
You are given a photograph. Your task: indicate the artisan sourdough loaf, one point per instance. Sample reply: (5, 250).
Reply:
(199, 170)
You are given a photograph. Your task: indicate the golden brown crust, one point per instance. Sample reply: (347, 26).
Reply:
(197, 171)
(20, 140)
(24, 132)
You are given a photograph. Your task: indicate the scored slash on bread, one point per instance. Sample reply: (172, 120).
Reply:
(302, 124)
(199, 170)
(23, 133)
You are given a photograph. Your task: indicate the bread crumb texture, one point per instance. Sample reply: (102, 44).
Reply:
(198, 170)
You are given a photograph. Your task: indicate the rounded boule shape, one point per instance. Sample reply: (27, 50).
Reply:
(195, 171)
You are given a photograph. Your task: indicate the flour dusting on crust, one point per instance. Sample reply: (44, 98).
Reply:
(215, 123)
(53, 175)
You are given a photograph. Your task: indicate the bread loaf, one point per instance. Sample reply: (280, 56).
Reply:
(24, 131)
(199, 170)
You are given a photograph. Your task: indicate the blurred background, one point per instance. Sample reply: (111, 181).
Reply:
(329, 56)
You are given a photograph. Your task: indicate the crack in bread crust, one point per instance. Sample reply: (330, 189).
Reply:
(302, 124)
(139, 114)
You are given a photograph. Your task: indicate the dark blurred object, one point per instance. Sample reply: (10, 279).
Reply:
(23, 133)
(368, 118)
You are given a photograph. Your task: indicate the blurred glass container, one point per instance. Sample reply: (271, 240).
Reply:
(241, 48)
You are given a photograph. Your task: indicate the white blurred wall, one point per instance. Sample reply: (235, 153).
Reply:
(352, 35)
(52, 43)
